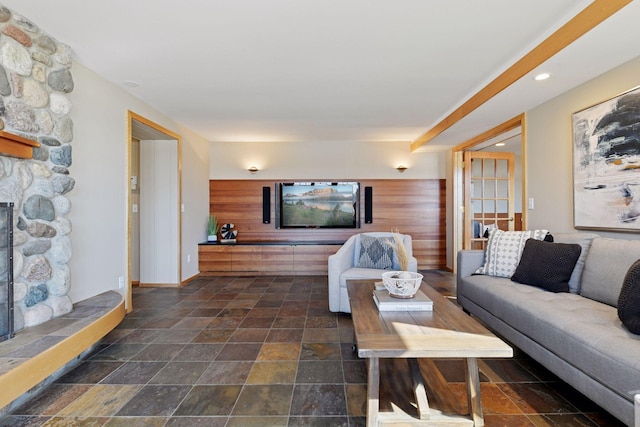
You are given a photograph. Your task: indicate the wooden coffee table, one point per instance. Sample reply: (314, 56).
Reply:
(445, 332)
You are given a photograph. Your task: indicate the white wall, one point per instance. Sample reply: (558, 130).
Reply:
(159, 212)
(135, 216)
(323, 160)
(195, 198)
(99, 198)
(549, 148)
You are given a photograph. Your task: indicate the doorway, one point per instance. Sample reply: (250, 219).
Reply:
(154, 206)
(489, 196)
(484, 189)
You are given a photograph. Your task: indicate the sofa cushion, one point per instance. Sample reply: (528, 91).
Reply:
(585, 333)
(547, 265)
(504, 249)
(355, 273)
(606, 265)
(375, 252)
(629, 300)
(584, 240)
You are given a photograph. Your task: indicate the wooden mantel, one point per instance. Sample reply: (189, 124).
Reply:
(16, 146)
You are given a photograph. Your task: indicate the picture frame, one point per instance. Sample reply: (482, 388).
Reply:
(606, 164)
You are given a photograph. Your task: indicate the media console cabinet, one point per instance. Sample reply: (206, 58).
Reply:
(263, 258)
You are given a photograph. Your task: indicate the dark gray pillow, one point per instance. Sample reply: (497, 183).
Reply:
(629, 299)
(547, 265)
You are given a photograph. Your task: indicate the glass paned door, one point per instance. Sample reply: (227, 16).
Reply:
(489, 195)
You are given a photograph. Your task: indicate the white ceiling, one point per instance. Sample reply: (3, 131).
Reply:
(329, 70)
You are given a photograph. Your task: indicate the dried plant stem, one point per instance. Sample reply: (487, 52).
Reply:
(398, 247)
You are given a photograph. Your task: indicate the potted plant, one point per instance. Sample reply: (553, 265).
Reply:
(212, 229)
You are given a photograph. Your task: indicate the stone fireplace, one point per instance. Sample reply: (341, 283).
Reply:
(35, 80)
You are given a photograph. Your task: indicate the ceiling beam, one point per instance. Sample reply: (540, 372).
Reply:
(511, 124)
(583, 22)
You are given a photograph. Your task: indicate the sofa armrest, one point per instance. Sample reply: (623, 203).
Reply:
(339, 262)
(413, 264)
(468, 262)
(343, 258)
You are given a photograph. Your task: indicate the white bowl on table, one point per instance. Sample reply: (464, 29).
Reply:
(402, 284)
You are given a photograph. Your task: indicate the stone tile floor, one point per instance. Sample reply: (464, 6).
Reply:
(265, 351)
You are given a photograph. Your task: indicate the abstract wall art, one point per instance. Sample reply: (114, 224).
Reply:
(606, 164)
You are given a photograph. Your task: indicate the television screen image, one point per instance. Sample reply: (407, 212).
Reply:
(318, 205)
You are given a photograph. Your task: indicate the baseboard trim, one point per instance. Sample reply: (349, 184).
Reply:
(159, 285)
(190, 279)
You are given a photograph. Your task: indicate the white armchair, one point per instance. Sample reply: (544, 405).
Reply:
(343, 266)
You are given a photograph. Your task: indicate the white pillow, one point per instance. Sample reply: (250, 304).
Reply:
(504, 249)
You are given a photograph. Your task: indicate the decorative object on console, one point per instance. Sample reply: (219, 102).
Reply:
(606, 146)
(212, 228)
(402, 284)
(228, 235)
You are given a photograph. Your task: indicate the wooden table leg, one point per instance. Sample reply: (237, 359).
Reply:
(373, 392)
(473, 392)
(419, 390)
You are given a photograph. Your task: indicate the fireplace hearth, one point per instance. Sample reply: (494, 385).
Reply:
(6, 271)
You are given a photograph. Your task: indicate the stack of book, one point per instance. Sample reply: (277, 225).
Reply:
(385, 302)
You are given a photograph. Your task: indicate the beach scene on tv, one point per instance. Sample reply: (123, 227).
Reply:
(319, 205)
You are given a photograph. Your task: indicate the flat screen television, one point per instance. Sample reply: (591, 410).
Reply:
(317, 205)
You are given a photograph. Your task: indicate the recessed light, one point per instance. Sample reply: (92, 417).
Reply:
(542, 76)
(130, 83)
(500, 144)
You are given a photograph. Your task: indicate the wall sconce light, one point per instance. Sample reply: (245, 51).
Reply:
(253, 169)
(401, 168)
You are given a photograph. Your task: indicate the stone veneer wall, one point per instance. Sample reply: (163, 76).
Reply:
(35, 79)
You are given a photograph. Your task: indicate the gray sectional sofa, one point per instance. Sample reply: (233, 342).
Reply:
(577, 335)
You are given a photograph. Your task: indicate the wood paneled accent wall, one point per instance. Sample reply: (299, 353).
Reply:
(413, 206)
